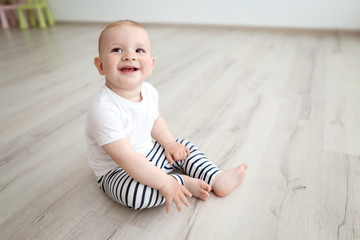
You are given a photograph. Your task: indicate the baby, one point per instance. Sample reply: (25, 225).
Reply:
(124, 119)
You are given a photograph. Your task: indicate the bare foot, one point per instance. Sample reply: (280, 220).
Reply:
(197, 187)
(225, 182)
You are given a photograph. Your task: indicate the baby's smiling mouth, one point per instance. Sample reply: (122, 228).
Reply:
(128, 69)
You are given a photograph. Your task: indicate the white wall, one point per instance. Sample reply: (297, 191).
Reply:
(331, 14)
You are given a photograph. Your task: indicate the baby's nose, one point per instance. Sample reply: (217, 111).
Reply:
(129, 57)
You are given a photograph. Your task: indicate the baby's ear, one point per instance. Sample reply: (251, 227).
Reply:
(99, 66)
(153, 64)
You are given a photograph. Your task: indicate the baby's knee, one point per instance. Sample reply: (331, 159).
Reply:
(185, 142)
(141, 197)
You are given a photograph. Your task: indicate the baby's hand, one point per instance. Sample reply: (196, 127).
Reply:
(176, 152)
(173, 190)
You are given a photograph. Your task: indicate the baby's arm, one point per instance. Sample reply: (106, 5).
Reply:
(173, 151)
(141, 170)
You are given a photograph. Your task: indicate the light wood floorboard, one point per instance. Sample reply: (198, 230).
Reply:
(286, 102)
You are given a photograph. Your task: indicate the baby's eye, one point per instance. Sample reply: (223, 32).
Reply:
(140, 50)
(117, 50)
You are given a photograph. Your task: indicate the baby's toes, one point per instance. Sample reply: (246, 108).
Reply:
(205, 186)
(203, 195)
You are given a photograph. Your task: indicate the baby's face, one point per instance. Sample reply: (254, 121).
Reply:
(125, 57)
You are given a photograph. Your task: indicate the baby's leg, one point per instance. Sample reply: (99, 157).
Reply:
(200, 171)
(225, 182)
(120, 187)
(197, 165)
(197, 187)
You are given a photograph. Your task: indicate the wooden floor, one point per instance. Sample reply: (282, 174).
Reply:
(286, 102)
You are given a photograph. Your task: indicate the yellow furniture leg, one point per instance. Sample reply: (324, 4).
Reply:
(31, 16)
(40, 6)
(40, 17)
(49, 16)
(21, 18)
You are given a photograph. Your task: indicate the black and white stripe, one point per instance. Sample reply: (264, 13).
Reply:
(120, 187)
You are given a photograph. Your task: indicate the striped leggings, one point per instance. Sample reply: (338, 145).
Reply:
(120, 187)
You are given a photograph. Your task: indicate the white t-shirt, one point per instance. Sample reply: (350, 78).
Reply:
(111, 117)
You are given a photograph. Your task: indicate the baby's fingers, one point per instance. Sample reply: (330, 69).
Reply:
(184, 200)
(169, 158)
(183, 155)
(168, 205)
(187, 150)
(178, 204)
(186, 192)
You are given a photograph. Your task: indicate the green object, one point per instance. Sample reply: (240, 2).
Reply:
(37, 6)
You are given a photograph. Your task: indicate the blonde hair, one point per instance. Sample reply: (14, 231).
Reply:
(116, 24)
